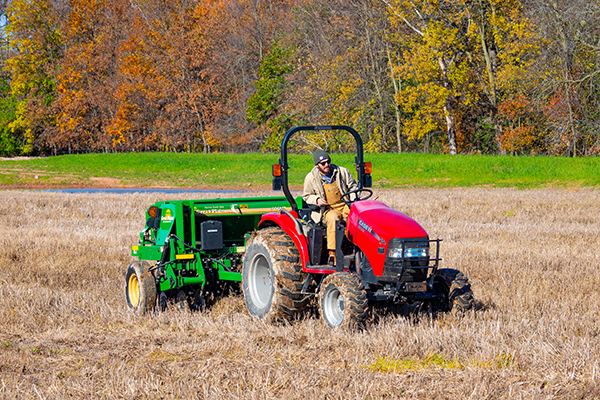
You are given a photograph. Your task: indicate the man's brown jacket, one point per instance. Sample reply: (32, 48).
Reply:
(313, 186)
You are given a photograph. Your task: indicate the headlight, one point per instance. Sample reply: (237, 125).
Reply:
(411, 249)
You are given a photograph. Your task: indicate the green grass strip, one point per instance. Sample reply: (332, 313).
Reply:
(240, 171)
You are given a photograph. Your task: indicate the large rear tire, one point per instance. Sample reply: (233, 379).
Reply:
(272, 276)
(456, 291)
(343, 301)
(140, 288)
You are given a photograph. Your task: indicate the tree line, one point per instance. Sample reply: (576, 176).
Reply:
(454, 76)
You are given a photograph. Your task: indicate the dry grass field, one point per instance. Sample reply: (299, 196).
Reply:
(531, 256)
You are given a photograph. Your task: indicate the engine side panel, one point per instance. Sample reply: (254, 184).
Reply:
(372, 224)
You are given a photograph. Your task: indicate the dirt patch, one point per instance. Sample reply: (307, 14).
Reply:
(21, 158)
(106, 181)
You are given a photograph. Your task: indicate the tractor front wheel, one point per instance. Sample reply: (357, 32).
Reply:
(455, 290)
(272, 276)
(343, 300)
(140, 288)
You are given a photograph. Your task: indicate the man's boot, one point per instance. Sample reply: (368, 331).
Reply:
(331, 260)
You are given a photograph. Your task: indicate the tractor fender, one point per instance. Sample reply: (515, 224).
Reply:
(291, 227)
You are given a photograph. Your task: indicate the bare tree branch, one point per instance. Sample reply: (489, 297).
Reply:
(407, 22)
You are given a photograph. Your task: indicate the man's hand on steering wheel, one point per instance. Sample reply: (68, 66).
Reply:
(357, 192)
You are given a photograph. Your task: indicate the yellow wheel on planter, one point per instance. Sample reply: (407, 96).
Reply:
(133, 290)
(140, 288)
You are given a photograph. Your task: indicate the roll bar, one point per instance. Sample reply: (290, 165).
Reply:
(280, 171)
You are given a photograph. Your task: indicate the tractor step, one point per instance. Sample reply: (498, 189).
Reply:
(324, 267)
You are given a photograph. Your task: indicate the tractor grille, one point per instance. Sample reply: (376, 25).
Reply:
(410, 269)
(391, 270)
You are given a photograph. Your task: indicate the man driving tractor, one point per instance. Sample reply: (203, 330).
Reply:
(323, 187)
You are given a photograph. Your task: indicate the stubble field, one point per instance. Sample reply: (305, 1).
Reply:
(531, 256)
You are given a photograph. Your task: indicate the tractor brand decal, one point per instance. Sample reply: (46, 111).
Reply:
(213, 211)
(168, 217)
(364, 227)
(217, 211)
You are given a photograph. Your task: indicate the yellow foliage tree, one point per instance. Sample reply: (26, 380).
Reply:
(459, 56)
(33, 33)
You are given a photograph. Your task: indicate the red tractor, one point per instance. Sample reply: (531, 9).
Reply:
(382, 255)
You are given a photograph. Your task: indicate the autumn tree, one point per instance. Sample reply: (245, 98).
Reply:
(241, 45)
(265, 105)
(174, 56)
(460, 59)
(34, 42)
(89, 78)
(568, 74)
(343, 70)
(8, 142)
(505, 48)
(436, 64)
(138, 75)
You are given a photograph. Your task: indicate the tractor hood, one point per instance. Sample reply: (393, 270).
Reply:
(382, 222)
(371, 225)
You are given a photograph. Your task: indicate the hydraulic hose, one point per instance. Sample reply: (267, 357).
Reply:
(187, 246)
(163, 258)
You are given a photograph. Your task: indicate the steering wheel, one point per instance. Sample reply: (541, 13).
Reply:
(357, 192)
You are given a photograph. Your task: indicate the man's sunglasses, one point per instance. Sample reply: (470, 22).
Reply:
(325, 162)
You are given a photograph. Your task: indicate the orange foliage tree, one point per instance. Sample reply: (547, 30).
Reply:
(523, 133)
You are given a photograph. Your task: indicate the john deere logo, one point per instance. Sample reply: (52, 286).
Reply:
(168, 217)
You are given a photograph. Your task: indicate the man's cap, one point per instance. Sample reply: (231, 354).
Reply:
(320, 155)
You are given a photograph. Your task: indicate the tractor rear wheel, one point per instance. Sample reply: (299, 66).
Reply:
(343, 300)
(140, 287)
(455, 289)
(272, 276)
